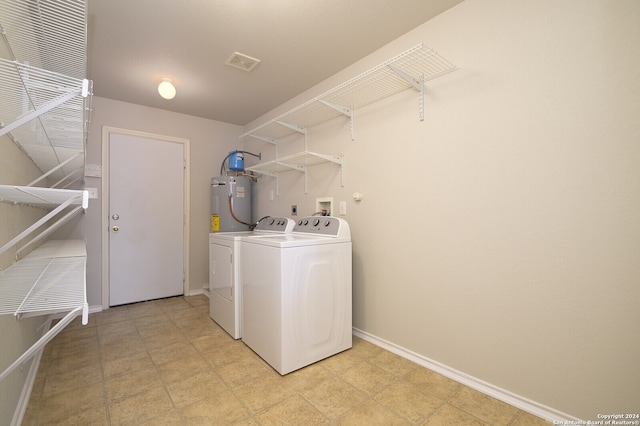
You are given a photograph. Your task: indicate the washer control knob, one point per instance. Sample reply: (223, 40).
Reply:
(316, 222)
(327, 222)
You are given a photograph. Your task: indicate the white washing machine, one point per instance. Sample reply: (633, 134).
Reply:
(296, 306)
(225, 291)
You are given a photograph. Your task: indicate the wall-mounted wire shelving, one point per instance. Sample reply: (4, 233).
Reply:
(55, 200)
(50, 279)
(45, 103)
(408, 70)
(44, 110)
(299, 161)
(32, 286)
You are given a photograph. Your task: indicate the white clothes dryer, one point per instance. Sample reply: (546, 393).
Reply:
(225, 291)
(296, 306)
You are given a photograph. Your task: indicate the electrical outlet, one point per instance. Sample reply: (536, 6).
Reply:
(294, 210)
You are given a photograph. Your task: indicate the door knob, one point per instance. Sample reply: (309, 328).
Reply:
(116, 228)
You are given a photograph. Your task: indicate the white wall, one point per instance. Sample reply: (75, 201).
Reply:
(210, 142)
(500, 236)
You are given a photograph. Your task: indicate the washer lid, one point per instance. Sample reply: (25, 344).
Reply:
(229, 236)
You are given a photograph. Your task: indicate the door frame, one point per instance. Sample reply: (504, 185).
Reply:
(106, 134)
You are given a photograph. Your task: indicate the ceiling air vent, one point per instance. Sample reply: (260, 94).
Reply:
(243, 62)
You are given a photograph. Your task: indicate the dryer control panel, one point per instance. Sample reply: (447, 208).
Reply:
(275, 224)
(323, 225)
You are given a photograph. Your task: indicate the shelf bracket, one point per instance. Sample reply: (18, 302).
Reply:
(342, 110)
(86, 88)
(59, 166)
(293, 166)
(336, 159)
(264, 138)
(263, 172)
(49, 335)
(52, 228)
(421, 99)
(293, 127)
(44, 219)
(341, 163)
(78, 173)
(353, 135)
(416, 83)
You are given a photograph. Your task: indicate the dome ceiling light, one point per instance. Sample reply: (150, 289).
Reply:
(166, 89)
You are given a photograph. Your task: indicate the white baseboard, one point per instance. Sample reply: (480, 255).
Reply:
(197, 292)
(549, 414)
(95, 308)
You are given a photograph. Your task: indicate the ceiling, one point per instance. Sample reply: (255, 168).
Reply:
(133, 45)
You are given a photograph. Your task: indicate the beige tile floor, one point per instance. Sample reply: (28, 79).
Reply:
(166, 362)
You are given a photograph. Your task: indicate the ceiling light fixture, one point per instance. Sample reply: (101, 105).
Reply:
(166, 89)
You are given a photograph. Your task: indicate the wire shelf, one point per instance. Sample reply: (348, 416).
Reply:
(44, 109)
(388, 78)
(55, 199)
(43, 286)
(45, 103)
(48, 34)
(50, 279)
(299, 161)
(42, 197)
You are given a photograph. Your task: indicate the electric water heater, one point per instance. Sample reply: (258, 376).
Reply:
(230, 203)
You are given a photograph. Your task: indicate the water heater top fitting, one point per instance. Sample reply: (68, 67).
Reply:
(236, 161)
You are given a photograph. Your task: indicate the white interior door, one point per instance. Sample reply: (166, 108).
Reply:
(146, 218)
